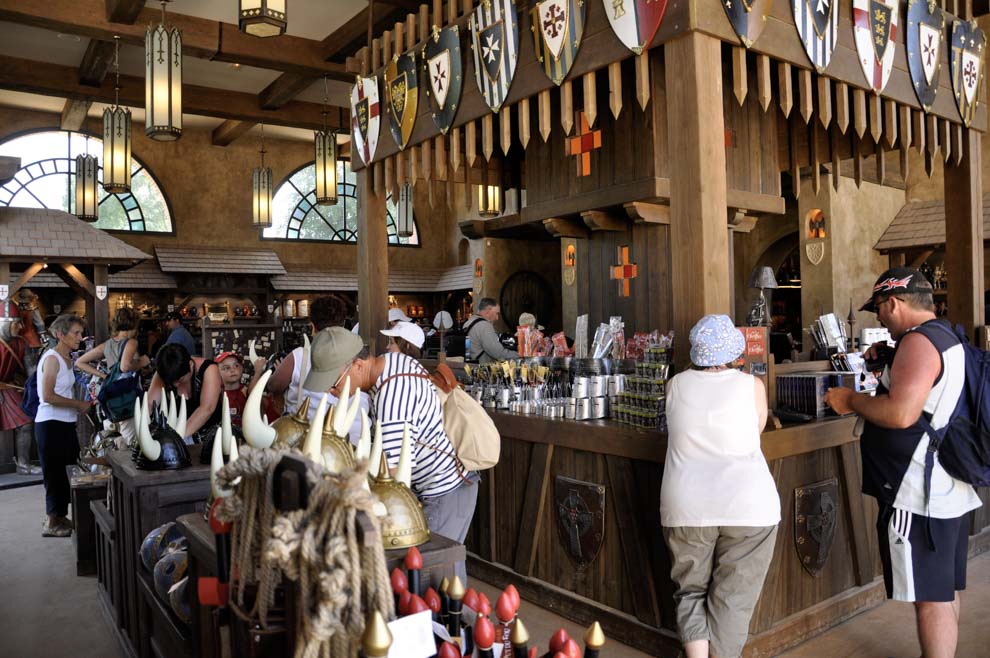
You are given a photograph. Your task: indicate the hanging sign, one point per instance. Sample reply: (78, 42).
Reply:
(817, 23)
(557, 26)
(402, 93)
(749, 17)
(101, 292)
(925, 28)
(365, 117)
(966, 59)
(635, 22)
(495, 40)
(442, 67)
(875, 26)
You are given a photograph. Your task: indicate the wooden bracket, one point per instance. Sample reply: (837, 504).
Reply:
(561, 227)
(599, 220)
(647, 213)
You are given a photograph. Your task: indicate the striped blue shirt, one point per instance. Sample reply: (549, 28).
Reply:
(415, 401)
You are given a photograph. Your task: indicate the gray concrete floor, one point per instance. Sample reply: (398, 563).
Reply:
(46, 611)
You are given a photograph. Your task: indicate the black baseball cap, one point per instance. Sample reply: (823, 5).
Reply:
(173, 315)
(895, 281)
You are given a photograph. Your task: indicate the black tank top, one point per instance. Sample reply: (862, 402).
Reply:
(196, 390)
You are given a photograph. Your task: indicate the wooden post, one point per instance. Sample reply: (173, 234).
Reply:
(372, 263)
(964, 235)
(696, 128)
(101, 310)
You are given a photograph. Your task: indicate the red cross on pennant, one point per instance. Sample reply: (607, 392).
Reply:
(582, 144)
(624, 272)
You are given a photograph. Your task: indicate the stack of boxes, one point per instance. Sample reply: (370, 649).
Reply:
(641, 404)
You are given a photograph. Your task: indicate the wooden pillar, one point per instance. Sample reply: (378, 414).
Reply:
(696, 128)
(5, 279)
(569, 276)
(101, 310)
(964, 235)
(372, 264)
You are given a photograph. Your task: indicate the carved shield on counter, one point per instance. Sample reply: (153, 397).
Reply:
(580, 511)
(924, 38)
(442, 66)
(966, 59)
(748, 18)
(815, 516)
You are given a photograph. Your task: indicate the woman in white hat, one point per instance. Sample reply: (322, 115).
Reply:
(719, 506)
(405, 338)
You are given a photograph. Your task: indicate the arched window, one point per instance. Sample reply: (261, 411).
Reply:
(296, 216)
(47, 179)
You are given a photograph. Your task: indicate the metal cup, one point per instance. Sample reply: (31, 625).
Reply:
(504, 396)
(582, 410)
(581, 387)
(570, 408)
(599, 407)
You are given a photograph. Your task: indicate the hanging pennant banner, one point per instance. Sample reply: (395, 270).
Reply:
(875, 26)
(557, 26)
(925, 28)
(402, 92)
(635, 22)
(966, 59)
(817, 23)
(749, 17)
(442, 67)
(495, 40)
(365, 117)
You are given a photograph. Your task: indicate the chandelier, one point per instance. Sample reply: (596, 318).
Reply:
(261, 184)
(405, 225)
(87, 202)
(163, 81)
(326, 158)
(262, 18)
(117, 137)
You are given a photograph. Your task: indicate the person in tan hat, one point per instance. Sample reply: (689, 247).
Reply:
(333, 351)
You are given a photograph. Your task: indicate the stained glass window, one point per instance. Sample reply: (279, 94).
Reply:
(47, 179)
(296, 216)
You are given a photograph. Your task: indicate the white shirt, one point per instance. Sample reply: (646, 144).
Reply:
(64, 381)
(314, 401)
(715, 473)
(291, 395)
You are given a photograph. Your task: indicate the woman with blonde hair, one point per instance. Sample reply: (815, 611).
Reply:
(121, 348)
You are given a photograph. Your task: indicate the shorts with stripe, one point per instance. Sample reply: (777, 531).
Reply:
(912, 570)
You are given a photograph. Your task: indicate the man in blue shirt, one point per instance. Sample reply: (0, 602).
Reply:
(179, 334)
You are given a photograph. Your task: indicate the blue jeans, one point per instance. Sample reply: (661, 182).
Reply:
(58, 447)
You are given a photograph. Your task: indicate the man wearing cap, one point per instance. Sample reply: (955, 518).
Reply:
(405, 338)
(231, 374)
(179, 334)
(485, 345)
(333, 351)
(923, 539)
(394, 315)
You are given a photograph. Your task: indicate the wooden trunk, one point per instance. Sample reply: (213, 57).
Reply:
(515, 536)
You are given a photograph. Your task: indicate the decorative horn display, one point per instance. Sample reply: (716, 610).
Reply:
(313, 447)
(252, 353)
(256, 432)
(338, 453)
(376, 451)
(216, 463)
(303, 368)
(170, 415)
(347, 411)
(163, 404)
(150, 449)
(180, 424)
(225, 425)
(290, 431)
(364, 443)
(161, 448)
(404, 471)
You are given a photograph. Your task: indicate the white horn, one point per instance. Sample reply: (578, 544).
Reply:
(313, 446)
(364, 443)
(233, 456)
(252, 354)
(150, 448)
(163, 405)
(341, 410)
(228, 432)
(180, 424)
(256, 432)
(303, 367)
(375, 458)
(404, 472)
(216, 463)
(170, 417)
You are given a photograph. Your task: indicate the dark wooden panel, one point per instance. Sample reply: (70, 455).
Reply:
(537, 486)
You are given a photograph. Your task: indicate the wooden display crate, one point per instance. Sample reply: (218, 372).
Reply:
(85, 488)
(107, 568)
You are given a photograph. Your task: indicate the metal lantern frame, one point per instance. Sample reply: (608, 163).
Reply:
(117, 137)
(87, 187)
(261, 187)
(262, 18)
(405, 225)
(325, 150)
(163, 81)
(489, 197)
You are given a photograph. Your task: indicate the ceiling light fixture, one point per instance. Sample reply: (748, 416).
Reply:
(261, 184)
(87, 201)
(325, 142)
(116, 137)
(163, 81)
(262, 18)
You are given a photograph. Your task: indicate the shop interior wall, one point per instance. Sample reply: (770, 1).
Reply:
(209, 191)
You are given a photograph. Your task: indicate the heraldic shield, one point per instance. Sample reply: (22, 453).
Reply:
(966, 59)
(495, 40)
(817, 23)
(815, 513)
(365, 117)
(580, 510)
(635, 22)
(748, 18)
(557, 26)
(402, 96)
(875, 27)
(925, 30)
(442, 69)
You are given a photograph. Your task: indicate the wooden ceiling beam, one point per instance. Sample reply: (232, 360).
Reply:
(74, 114)
(201, 38)
(96, 63)
(124, 11)
(62, 81)
(283, 89)
(229, 130)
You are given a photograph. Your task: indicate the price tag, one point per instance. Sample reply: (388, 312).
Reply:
(412, 636)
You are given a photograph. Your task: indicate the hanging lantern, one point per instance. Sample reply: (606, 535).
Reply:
(326, 158)
(405, 224)
(262, 18)
(117, 138)
(261, 183)
(87, 202)
(489, 200)
(163, 81)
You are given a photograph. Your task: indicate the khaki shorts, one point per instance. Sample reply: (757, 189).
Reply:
(719, 573)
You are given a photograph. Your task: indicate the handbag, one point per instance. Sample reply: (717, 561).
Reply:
(118, 393)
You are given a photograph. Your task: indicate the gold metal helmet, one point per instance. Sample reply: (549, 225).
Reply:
(404, 524)
(290, 431)
(323, 445)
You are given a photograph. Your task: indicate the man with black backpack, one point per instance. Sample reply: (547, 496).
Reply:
(485, 345)
(922, 525)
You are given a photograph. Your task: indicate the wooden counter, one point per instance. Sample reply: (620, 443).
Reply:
(521, 525)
